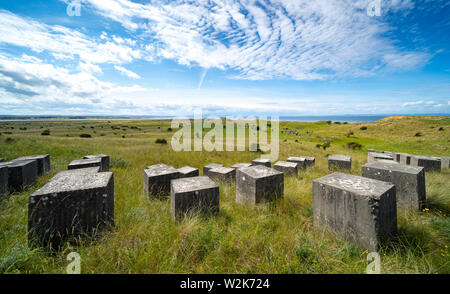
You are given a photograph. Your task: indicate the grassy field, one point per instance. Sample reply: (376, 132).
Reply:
(277, 238)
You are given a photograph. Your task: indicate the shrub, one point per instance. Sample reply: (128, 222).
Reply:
(363, 128)
(46, 133)
(161, 141)
(354, 145)
(326, 145)
(441, 129)
(169, 129)
(349, 133)
(418, 134)
(9, 140)
(337, 122)
(85, 136)
(319, 146)
(328, 122)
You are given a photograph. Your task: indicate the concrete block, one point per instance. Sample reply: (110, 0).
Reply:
(430, 163)
(4, 190)
(258, 184)
(358, 209)
(287, 168)
(208, 167)
(222, 174)
(409, 182)
(157, 179)
(241, 165)
(397, 156)
(193, 195)
(2, 160)
(104, 158)
(188, 172)
(374, 157)
(445, 162)
(84, 163)
(21, 174)
(339, 161)
(405, 159)
(310, 161)
(43, 162)
(262, 161)
(70, 205)
(300, 161)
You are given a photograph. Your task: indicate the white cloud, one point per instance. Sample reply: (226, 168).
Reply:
(293, 39)
(65, 44)
(127, 72)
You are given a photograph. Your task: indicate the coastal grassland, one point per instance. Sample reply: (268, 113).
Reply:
(276, 238)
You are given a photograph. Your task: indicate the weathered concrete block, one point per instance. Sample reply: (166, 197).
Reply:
(43, 162)
(157, 179)
(300, 161)
(241, 165)
(103, 157)
(222, 174)
(262, 161)
(310, 161)
(188, 172)
(359, 209)
(405, 159)
(374, 157)
(430, 163)
(71, 205)
(2, 160)
(287, 168)
(21, 174)
(258, 184)
(409, 182)
(445, 162)
(84, 163)
(339, 161)
(208, 167)
(193, 195)
(3, 181)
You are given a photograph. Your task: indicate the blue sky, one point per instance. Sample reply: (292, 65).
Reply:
(272, 57)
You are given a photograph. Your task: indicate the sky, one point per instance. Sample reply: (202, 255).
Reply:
(228, 57)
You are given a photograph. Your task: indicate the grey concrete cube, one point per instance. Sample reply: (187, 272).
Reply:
(339, 161)
(188, 172)
(430, 163)
(222, 174)
(301, 162)
(193, 195)
(103, 157)
(4, 190)
(374, 157)
(43, 162)
(84, 163)
(2, 160)
(258, 184)
(157, 179)
(287, 168)
(241, 165)
(208, 167)
(21, 174)
(405, 158)
(310, 161)
(445, 162)
(262, 161)
(358, 209)
(71, 205)
(409, 182)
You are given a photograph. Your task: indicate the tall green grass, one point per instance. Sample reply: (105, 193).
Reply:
(275, 238)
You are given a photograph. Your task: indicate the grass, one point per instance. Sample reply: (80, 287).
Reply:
(276, 238)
